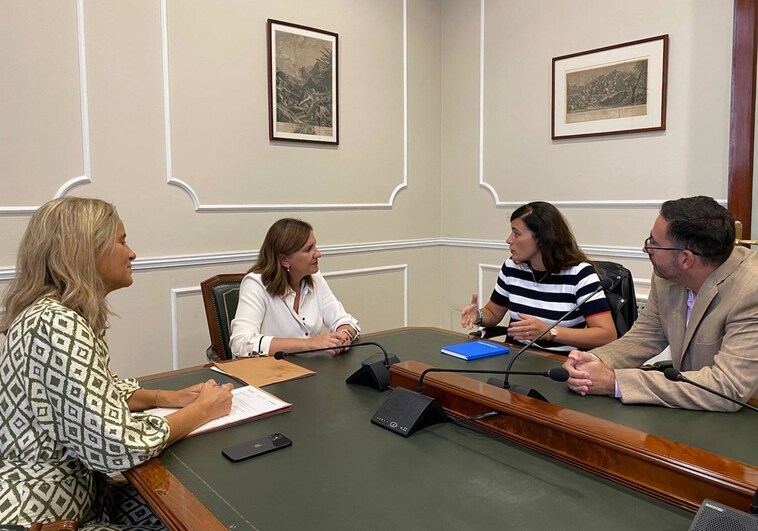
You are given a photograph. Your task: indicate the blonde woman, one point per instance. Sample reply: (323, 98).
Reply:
(67, 420)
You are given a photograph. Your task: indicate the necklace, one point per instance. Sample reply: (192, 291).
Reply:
(536, 282)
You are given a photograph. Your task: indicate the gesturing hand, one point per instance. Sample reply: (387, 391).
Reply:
(469, 313)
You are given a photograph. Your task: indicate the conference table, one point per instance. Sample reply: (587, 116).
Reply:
(343, 472)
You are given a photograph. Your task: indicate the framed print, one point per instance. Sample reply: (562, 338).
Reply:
(612, 90)
(302, 83)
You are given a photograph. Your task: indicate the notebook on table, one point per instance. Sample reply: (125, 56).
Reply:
(474, 350)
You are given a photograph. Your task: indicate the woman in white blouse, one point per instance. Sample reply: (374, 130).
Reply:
(285, 303)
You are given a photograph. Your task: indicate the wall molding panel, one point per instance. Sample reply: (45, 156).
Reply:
(207, 259)
(172, 180)
(175, 294)
(84, 103)
(609, 203)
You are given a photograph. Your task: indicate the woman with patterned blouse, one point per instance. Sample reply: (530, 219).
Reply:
(67, 423)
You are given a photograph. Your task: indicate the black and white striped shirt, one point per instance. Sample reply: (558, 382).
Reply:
(549, 297)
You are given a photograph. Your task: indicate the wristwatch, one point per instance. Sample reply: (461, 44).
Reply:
(479, 317)
(553, 333)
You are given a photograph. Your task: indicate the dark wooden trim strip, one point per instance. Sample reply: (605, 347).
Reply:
(742, 116)
(675, 473)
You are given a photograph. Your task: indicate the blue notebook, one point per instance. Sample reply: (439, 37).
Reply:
(473, 350)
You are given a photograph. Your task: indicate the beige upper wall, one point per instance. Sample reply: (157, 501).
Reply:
(519, 159)
(219, 134)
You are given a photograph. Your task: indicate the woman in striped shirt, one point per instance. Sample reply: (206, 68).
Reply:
(546, 276)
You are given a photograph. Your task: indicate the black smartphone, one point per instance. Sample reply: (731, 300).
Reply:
(264, 445)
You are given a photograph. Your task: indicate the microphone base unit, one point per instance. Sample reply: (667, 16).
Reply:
(520, 389)
(717, 516)
(405, 412)
(373, 374)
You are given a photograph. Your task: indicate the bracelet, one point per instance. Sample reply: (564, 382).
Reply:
(349, 335)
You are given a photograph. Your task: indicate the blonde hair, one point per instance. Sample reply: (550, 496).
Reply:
(283, 238)
(57, 258)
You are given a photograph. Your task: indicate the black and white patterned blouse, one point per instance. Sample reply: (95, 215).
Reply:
(64, 421)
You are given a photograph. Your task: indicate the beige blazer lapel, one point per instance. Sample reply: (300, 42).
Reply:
(676, 315)
(702, 302)
(708, 292)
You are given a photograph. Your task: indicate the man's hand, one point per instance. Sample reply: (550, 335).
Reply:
(588, 375)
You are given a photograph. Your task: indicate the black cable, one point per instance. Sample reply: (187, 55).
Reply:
(465, 421)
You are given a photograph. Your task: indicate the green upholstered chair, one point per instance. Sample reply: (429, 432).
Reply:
(220, 297)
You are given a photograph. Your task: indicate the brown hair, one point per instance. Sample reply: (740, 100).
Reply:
(554, 237)
(283, 238)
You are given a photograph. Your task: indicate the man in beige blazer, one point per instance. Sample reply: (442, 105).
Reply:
(703, 304)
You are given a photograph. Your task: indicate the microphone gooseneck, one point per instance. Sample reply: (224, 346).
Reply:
(604, 284)
(280, 355)
(676, 376)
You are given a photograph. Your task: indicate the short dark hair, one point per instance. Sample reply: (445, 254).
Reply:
(701, 225)
(551, 230)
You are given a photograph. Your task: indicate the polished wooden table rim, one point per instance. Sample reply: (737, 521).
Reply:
(675, 473)
(170, 500)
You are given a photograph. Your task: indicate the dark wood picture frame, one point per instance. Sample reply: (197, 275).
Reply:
(612, 90)
(303, 95)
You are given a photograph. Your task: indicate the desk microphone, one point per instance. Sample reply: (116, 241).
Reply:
(676, 376)
(533, 393)
(374, 374)
(405, 412)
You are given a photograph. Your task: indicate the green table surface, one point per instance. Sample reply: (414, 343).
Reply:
(342, 472)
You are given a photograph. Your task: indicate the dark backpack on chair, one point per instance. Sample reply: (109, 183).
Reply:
(620, 295)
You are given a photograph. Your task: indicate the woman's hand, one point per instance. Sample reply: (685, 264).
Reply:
(180, 398)
(338, 340)
(214, 399)
(469, 313)
(527, 328)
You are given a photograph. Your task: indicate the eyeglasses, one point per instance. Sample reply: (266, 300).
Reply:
(648, 247)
